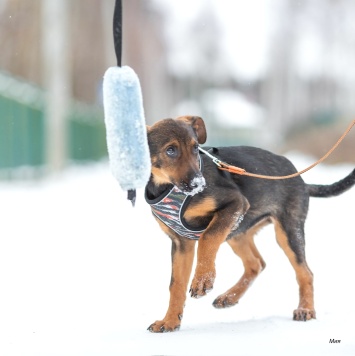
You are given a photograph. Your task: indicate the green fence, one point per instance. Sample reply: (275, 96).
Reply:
(87, 133)
(23, 135)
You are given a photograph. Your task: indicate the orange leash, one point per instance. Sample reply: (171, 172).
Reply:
(236, 170)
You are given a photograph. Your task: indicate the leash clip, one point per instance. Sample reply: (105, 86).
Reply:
(223, 165)
(214, 159)
(217, 162)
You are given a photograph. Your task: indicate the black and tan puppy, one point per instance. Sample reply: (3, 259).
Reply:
(193, 200)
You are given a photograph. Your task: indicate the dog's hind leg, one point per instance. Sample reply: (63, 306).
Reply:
(292, 242)
(243, 245)
(182, 255)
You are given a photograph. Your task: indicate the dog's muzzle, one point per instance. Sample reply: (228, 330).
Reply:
(196, 185)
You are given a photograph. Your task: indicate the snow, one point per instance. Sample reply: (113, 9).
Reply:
(84, 273)
(199, 183)
(232, 109)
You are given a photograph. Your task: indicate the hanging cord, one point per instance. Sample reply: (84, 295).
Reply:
(236, 170)
(117, 41)
(117, 31)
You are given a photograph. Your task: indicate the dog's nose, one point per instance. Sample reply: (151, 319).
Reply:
(194, 186)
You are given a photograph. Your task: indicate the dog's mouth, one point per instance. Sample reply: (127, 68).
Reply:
(196, 185)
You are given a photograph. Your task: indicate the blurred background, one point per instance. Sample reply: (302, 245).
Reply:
(277, 74)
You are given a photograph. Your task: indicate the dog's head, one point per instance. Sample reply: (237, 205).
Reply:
(173, 145)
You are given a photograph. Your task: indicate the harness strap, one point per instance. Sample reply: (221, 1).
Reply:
(237, 170)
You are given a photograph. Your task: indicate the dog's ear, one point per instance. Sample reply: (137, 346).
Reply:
(197, 125)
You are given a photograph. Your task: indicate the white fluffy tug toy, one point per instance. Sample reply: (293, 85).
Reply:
(126, 133)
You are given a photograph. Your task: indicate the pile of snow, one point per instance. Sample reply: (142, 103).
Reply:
(84, 273)
(233, 110)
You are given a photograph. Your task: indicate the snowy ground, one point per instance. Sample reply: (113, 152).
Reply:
(83, 273)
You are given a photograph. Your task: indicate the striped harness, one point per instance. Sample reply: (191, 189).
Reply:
(169, 207)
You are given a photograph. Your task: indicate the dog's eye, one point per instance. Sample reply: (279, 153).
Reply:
(171, 151)
(195, 149)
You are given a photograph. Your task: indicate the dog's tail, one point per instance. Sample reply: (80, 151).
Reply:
(332, 190)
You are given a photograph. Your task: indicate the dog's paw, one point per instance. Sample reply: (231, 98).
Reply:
(303, 314)
(225, 300)
(163, 326)
(202, 284)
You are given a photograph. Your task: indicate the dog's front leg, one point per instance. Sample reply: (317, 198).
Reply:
(182, 254)
(221, 225)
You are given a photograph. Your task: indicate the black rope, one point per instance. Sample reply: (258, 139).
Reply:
(117, 31)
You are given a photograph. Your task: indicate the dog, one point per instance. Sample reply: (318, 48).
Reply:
(194, 201)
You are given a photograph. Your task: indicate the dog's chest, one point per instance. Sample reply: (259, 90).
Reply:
(181, 214)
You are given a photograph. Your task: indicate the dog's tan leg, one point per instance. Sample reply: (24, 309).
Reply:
(208, 246)
(304, 276)
(182, 260)
(244, 247)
